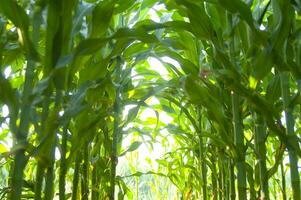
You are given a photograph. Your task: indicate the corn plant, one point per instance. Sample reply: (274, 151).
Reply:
(77, 78)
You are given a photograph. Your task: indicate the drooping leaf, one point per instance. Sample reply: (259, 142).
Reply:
(134, 146)
(263, 64)
(273, 92)
(240, 7)
(101, 17)
(15, 13)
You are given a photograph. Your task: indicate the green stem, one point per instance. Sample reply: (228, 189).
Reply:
(227, 181)
(114, 151)
(21, 135)
(39, 182)
(214, 178)
(290, 122)
(95, 184)
(250, 178)
(283, 182)
(137, 188)
(116, 130)
(239, 142)
(220, 181)
(232, 180)
(63, 167)
(49, 185)
(85, 175)
(17, 176)
(204, 170)
(76, 177)
(40, 172)
(202, 157)
(260, 136)
(238, 129)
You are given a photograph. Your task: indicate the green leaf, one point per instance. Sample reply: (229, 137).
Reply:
(136, 34)
(273, 91)
(194, 91)
(134, 146)
(283, 16)
(162, 162)
(262, 64)
(139, 174)
(187, 66)
(101, 17)
(121, 6)
(9, 97)
(135, 49)
(132, 114)
(75, 105)
(120, 195)
(93, 70)
(3, 149)
(83, 11)
(200, 21)
(18, 16)
(240, 7)
(41, 86)
(89, 46)
(15, 13)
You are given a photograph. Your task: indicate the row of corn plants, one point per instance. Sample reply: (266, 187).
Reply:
(232, 91)
(248, 85)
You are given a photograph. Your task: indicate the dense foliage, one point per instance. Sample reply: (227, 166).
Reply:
(87, 86)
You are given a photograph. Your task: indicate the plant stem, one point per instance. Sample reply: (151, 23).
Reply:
(237, 127)
(214, 178)
(17, 176)
(116, 131)
(239, 142)
(283, 181)
(114, 150)
(260, 136)
(232, 180)
(39, 182)
(63, 169)
(202, 157)
(76, 177)
(290, 122)
(95, 193)
(49, 185)
(21, 135)
(85, 174)
(220, 181)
